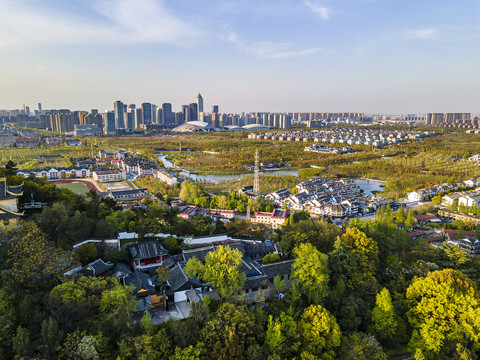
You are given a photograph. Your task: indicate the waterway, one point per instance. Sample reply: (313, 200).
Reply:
(367, 185)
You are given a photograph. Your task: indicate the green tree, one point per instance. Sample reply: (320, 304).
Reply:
(221, 270)
(320, 332)
(51, 336)
(282, 337)
(21, 341)
(384, 322)
(10, 168)
(410, 220)
(31, 259)
(444, 310)
(146, 324)
(360, 346)
(230, 331)
(86, 253)
(437, 199)
(310, 271)
(271, 258)
(163, 272)
(196, 352)
(400, 215)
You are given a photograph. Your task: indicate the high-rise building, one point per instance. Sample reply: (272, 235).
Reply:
(138, 118)
(199, 103)
(193, 111)
(147, 113)
(186, 112)
(94, 111)
(179, 119)
(155, 120)
(130, 116)
(215, 109)
(286, 121)
(119, 109)
(40, 108)
(160, 116)
(168, 117)
(109, 122)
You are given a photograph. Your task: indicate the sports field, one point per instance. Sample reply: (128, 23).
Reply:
(77, 187)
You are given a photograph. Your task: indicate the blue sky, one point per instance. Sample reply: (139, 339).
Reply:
(375, 56)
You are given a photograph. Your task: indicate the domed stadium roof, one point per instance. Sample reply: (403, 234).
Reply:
(191, 126)
(255, 127)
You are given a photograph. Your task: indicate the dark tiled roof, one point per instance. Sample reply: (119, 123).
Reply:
(128, 192)
(120, 270)
(257, 249)
(279, 268)
(177, 278)
(199, 253)
(140, 281)
(96, 268)
(148, 249)
(255, 282)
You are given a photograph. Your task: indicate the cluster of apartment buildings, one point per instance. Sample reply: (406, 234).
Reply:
(328, 150)
(422, 194)
(462, 120)
(322, 197)
(348, 136)
(139, 166)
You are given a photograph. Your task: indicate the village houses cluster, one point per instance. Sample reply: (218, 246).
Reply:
(328, 198)
(350, 136)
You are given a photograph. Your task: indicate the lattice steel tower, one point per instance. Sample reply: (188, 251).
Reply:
(256, 182)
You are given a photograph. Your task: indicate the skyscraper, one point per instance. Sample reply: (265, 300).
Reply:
(155, 120)
(40, 108)
(130, 117)
(215, 109)
(168, 117)
(118, 109)
(199, 103)
(193, 112)
(147, 113)
(109, 122)
(186, 112)
(138, 118)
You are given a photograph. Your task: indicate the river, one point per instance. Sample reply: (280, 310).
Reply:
(367, 185)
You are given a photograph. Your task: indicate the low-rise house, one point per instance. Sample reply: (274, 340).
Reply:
(275, 219)
(469, 199)
(97, 268)
(128, 195)
(468, 244)
(109, 175)
(416, 195)
(146, 255)
(450, 199)
(166, 177)
(188, 212)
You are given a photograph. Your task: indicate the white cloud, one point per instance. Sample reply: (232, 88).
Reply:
(274, 50)
(322, 11)
(267, 49)
(106, 22)
(422, 34)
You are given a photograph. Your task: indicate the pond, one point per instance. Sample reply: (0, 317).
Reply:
(367, 185)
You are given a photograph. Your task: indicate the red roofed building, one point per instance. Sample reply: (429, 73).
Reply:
(274, 219)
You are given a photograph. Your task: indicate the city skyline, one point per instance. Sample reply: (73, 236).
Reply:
(373, 56)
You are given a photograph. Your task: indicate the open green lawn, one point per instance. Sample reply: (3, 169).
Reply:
(77, 187)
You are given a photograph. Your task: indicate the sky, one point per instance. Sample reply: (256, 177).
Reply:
(372, 56)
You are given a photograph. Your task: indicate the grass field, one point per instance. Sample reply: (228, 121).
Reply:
(77, 187)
